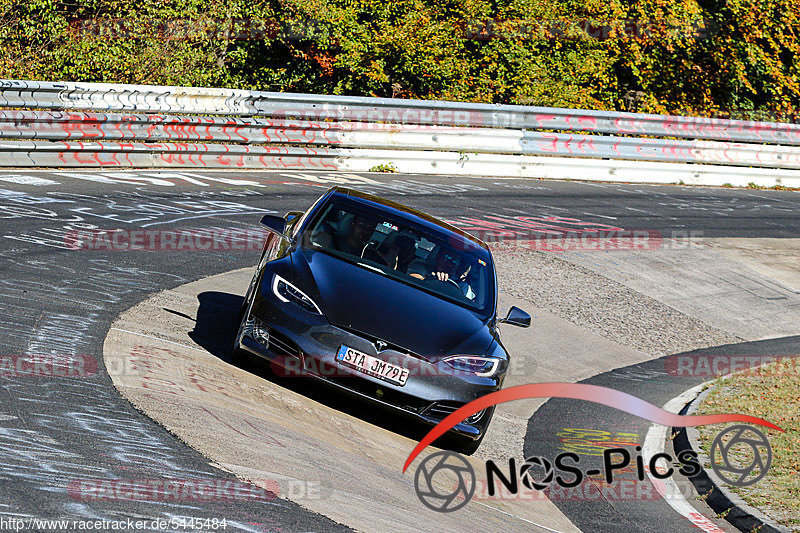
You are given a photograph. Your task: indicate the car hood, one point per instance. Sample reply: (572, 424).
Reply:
(376, 306)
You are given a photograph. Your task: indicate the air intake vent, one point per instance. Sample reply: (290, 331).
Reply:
(281, 345)
(442, 409)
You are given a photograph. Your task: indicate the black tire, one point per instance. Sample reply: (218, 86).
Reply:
(237, 354)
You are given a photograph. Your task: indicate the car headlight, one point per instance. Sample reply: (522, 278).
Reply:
(478, 365)
(286, 292)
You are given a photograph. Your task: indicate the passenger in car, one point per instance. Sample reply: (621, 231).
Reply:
(397, 251)
(351, 237)
(406, 252)
(361, 230)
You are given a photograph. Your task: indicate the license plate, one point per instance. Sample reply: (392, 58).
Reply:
(372, 366)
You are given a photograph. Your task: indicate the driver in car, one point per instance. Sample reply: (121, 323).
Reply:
(444, 267)
(447, 268)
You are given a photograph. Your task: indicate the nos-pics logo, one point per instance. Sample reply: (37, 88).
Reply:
(445, 481)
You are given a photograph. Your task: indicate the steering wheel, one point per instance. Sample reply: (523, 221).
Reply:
(451, 280)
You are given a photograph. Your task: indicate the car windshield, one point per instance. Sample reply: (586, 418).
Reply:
(442, 263)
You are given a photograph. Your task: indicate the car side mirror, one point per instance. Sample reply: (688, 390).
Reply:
(292, 216)
(276, 225)
(517, 317)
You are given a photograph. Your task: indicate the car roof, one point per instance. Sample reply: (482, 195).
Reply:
(404, 211)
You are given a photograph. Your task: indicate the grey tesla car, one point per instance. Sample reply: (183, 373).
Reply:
(382, 301)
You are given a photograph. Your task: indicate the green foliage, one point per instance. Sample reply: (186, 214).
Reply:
(383, 168)
(537, 54)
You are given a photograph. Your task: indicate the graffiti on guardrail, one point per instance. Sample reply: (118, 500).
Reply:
(72, 126)
(197, 137)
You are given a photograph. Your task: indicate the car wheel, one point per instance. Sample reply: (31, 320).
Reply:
(237, 354)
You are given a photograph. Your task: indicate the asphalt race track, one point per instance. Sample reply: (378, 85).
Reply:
(57, 431)
(548, 435)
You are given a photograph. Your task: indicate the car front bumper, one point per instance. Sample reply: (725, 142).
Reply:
(304, 344)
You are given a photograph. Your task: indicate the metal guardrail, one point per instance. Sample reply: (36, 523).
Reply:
(205, 101)
(91, 127)
(105, 125)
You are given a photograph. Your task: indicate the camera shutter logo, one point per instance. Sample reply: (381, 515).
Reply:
(447, 497)
(527, 476)
(724, 452)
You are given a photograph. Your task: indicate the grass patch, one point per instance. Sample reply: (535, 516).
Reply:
(773, 393)
(383, 168)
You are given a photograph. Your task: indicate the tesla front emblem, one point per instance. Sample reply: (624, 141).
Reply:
(379, 345)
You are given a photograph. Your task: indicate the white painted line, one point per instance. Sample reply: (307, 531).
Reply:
(256, 211)
(159, 339)
(265, 474)
(640, 211)
(669, 490)
(601, 216)
(29, 180)
(519, 518)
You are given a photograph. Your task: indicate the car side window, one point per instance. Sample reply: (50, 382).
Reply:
(324, 232)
